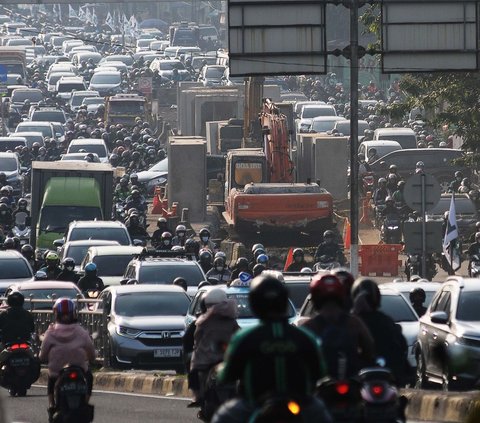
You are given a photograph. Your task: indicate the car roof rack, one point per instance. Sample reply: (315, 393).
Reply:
(148, 252)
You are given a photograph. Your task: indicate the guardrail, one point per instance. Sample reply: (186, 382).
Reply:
(93, 318)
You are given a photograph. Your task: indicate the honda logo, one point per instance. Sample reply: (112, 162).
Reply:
(165, 334)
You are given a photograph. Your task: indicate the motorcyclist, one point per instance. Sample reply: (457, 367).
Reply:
(392, 178)
(9, 244)
(455, 184)
(241, 265)
(330, 248)
(341, 333)
(136, 201)
(66, 342)
(220, 271)
(68, 273)
(390, 344)
(419, 168)
(205, 241)
(122, 190)
(213, 332)
(162, 226)
(417, 298)
(298, 261)
(381, 193)
(6, 219)
(165, 242)
(398, 196)
(90, 281)
(16, 323)
(21, 208)
(28, 252)
(465, 187)
(474, 249)
(139, 185)
(180, 235)
(390, 208)
(51, 268)
(265, 358)
(205, 259)
(134, 228)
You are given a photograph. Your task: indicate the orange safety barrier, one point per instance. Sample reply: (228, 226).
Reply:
(365, 217)
(380, 259)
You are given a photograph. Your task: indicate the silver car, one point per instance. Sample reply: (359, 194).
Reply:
(146, 325)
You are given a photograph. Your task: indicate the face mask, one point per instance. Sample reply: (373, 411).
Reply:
(219, 268)
(298, 259)
(166, 242)
(181, 234)
(205, 238)
(69, 268)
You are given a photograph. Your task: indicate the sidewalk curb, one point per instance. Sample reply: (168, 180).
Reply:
(140, 383)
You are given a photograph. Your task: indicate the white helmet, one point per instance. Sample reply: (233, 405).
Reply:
(215, 296)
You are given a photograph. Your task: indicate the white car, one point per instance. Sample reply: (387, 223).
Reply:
(90, 145)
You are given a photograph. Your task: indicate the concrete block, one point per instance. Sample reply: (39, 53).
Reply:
(212, 130)
(187, 175)
(304, 157)
(215, 106)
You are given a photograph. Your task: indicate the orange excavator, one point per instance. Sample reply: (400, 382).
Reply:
(261, 194)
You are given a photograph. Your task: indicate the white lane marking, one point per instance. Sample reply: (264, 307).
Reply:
(131, 394)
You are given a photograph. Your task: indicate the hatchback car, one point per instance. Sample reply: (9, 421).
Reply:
(146, 325)
(78, 249)
(98, 229)
(90, 145)
(430, 288)
(47, 291)
(448, 348)
(14, 269)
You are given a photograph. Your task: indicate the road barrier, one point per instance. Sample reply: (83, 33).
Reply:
(90, 315)
(380, 259)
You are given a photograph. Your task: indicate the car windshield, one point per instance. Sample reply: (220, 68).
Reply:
(57, 218)
(297, 293)
(8, 164)
(467, 308)
(166, 273)
(89, 148)
(49, 116)
(161, 166)
(92, 100)
(69, 87)
(152, 304)
(77, 252)
(110, 234)
(214, 72)
(243, 306)
(46, 130)
(166, 66)
(344, 127)
(47, 294)
(19, 96)
(382, 150)
(105, 79)
(323, 125)
(113, 265)
(312, 112)
(127, 107)
(397, 308)
(6, 145)
(428, 296)
(54, 78)
(77, 100)
(15, 268)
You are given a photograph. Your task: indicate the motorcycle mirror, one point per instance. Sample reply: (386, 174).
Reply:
(59, 242)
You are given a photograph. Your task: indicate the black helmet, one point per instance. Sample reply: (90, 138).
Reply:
(328, 234)
(27, 251)
(180, 282)
(161, 220)
(242, 262)
(205, 257)
(417, 293)
(15, 299)
(268, 297)
(204, 232)
(369, 288)
(68, 262)
(458, 174)
(9, 244)
(258, 269)
(22, 203)
(298, 252)
(166, 236)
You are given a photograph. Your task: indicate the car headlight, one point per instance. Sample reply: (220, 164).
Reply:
(128, 332)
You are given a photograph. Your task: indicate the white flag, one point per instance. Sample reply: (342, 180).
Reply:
(71, 13)
(88, 16)
(450, 244)
(110, 21)
(94, 18)
(81, 13)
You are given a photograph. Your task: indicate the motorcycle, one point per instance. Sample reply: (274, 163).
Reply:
(378, 209)
(391, 231)
(381, 402)
(368, 183)
(20, 368)
(342, 398)
(119, 212)
(20, 228)
(279, 409)
(326, 263)
(71, 391)
(413, 266)
(474, 267)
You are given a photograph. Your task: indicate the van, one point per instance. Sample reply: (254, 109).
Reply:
(382, 148)
(59, 207)
(404, 136)
(438, 162)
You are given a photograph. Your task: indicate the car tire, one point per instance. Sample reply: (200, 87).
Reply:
(421, 381)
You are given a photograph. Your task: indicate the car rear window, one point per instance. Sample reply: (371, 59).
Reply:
(297, 293)
(47, 294)
(166, 273)
(110, 234)
(15, 268)
(113, 265)
(89, 148)
(243, 306)
(397, 308)
(152, 304)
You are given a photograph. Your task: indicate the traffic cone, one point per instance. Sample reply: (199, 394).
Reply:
(347, 236)
(289, 259)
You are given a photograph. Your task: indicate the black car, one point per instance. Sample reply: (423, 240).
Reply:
(438, 162)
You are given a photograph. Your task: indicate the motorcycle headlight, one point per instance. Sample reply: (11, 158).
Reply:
(128, 332)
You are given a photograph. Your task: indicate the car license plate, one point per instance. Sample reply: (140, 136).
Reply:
(167, 352)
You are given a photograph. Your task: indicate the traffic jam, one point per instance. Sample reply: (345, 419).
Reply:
(160, 214)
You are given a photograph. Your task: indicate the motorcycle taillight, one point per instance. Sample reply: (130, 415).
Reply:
(73, 375)
(377, 390)
(342, 388)
(22, 346)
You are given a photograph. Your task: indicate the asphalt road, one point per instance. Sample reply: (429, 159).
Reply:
(109, 407)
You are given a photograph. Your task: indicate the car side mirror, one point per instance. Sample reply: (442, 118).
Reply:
(123, 281)
(59, 242)
(139, 243)
(439, 317)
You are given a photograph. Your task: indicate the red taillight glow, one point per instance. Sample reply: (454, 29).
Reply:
(15, 346)
(23, 346)
(342, 388)
(73, 375)
(377, 389)
(19, 346)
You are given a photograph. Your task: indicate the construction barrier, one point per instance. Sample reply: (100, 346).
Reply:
(380, 259)
(347, 234)
(160, 204)
(365, 215)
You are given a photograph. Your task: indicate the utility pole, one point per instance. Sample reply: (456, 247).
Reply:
(252, 106)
